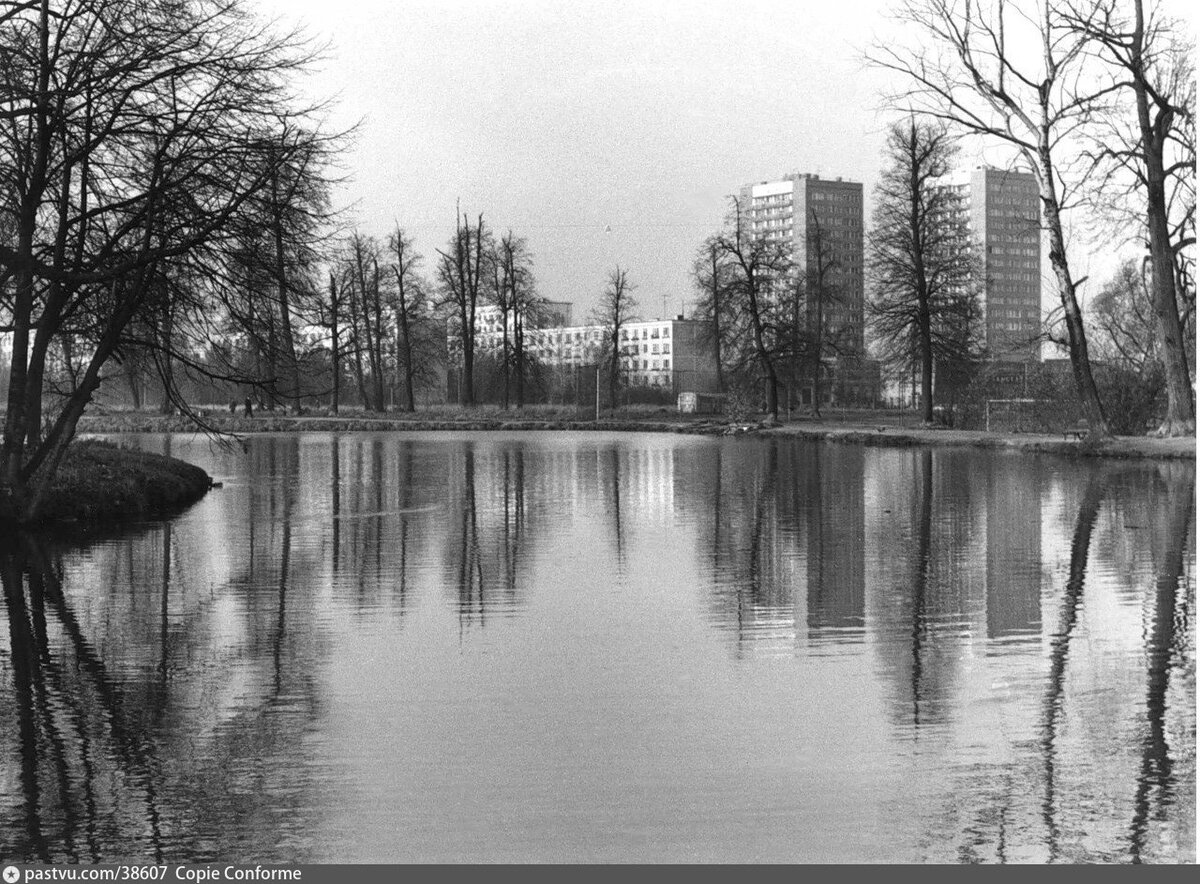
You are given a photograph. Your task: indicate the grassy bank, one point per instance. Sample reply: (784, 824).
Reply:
(100, 483)
(865, 427)
(880, 434)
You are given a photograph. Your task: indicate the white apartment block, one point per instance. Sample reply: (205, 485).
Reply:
(671, 354)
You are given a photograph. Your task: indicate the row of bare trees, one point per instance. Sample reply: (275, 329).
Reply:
(478, 269)
(165, 216)
(1097, 99)
(387, 326)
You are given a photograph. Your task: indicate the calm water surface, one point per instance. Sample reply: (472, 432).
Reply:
(594, 647)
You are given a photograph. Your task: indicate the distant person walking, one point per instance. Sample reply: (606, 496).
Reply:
(249, 408)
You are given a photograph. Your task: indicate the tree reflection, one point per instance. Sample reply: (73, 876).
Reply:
(1060, 643)
(920, 576)
(834, 515)
(751, 538)
(614, 471)
(51, 704)
(921, 548)
(489, 531)
(1156, 778)
(472, 602)
(148, 719)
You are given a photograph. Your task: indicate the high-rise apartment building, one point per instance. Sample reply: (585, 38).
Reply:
(1001, 208)
(796, 209)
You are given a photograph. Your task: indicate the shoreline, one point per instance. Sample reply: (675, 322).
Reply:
(101, 486)
(862, 432)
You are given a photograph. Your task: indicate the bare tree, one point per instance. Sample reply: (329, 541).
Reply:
(973, 68)
(361, 282)
(759, 269)
(136, 134)
(331, 315)
(414, 332)
(1123, 315)
(511, 265)
(461, 279)
(617, 309)
(820, 293)
(716, 304)
(920, 254)
(298, 214)
(1147, 60)
(528, 309)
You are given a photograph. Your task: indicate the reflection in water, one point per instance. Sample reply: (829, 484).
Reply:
(1156, 785)
(1060, 642)
(429, 647)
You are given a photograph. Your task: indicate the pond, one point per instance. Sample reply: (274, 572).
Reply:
(595, 647)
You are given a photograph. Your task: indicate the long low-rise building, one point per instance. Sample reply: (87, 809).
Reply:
(671, 354)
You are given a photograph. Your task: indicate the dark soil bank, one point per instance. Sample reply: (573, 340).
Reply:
(100, 483)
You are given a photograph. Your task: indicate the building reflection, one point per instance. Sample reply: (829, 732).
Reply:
(1014, 547)
(168, 686)
(1060, 795)
(834, 516)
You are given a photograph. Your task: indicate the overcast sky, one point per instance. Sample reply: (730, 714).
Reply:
(604, 132)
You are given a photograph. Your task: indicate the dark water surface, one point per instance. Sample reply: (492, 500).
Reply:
(593, 647)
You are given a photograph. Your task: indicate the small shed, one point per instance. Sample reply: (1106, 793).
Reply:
(701, 403)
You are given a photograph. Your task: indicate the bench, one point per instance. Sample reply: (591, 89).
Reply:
(1080, 430)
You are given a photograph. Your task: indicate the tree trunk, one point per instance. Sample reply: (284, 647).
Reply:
(818, 341)
(134, 380)
(1181, 410)
(164, 342)
(334, 355)
(614, 364)
(923, 322)
(716, 296)
(519, 356)
(1081, 366)
(404, 353)
(15, 418)
(468, 341)
(285, 313)
(504, 352)
(916, 194)
(356, 341)
(377, 347)
(764, 357)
